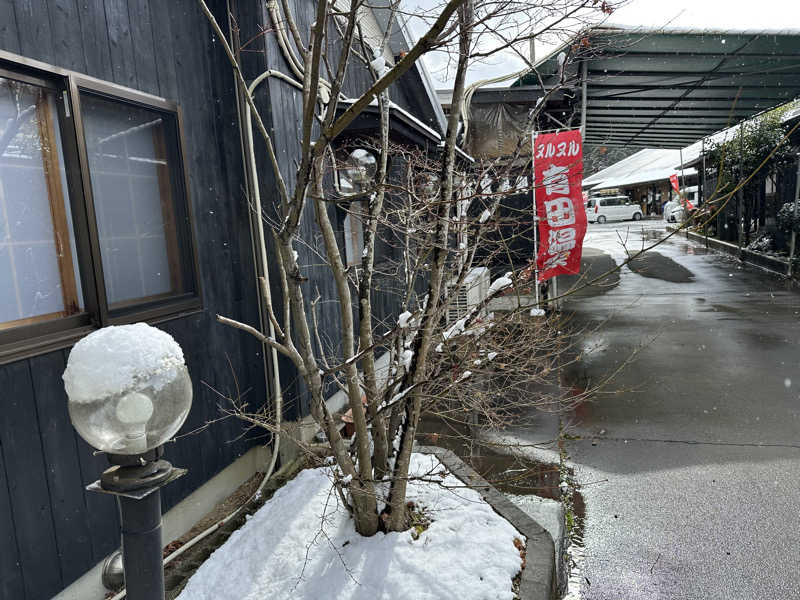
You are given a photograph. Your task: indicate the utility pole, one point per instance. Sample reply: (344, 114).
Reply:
(683, 177)
(701, 197)
(683, 200)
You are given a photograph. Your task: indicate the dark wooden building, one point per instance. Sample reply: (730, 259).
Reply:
(123, 198)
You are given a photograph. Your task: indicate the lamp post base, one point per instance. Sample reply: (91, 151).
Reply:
(141, 547)
(128, 478)
(139, 500)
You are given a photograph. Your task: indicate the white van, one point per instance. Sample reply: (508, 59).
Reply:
(612, 208)
(673, 212)
(677, 211)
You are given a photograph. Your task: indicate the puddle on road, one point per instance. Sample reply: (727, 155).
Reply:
(593, 265)
(657, 266)
(651, 235)
(691, 250)
(684, 245)
(763, 340)
(733, 312)
(726, 309)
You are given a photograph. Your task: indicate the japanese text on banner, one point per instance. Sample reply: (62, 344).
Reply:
(558, 175)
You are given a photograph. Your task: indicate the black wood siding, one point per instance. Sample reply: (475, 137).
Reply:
(51, 530)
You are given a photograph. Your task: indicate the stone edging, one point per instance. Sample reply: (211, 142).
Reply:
(774, 264)
(538, 581)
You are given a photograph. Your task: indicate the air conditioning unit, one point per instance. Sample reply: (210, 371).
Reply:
(469, 294)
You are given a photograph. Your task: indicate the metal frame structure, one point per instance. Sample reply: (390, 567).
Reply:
(668, 87)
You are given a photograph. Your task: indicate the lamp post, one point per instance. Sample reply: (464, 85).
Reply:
(129, 392)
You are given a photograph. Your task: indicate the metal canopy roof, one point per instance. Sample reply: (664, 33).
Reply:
(667, 87)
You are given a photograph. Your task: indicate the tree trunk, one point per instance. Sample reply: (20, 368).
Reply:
(365, 516)
(397, 495)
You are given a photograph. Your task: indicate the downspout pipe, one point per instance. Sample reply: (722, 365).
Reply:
(584, 86)
(262, 249)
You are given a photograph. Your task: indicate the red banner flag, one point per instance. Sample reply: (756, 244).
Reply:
(558, 176)
(673, 179)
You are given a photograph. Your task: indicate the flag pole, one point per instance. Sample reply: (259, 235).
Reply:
(535, 218)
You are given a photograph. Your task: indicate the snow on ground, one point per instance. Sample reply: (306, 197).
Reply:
(301, 544)
(404, 319)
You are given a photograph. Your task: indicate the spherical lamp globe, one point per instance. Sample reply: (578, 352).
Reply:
(128, 388)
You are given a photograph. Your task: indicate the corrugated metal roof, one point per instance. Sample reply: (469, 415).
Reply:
(791, 115)
(693, 152)
(670, 87)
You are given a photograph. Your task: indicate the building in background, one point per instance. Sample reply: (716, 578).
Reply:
(645, 178)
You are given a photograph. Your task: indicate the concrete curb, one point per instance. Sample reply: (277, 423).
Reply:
(773, 264)
(538, 581)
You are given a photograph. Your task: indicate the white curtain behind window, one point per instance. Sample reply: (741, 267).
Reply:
(131, 191)
(38, 263)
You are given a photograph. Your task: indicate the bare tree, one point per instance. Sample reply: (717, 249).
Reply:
(447, 226)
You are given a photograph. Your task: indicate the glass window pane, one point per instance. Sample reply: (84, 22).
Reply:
(132, 163)
(359, 169)
(38, 261)
(354, 233)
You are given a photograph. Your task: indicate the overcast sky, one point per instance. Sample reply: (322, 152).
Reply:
(700, 14)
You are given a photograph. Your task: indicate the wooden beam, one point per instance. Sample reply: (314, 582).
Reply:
(58, 208)
(32, 320)
(167, 207)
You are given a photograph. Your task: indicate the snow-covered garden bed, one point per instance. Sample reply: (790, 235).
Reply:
(302, 544)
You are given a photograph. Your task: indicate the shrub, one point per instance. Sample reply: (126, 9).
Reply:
(786, 219)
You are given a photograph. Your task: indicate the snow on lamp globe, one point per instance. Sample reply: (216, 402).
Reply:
(128, 387)
(128, 393)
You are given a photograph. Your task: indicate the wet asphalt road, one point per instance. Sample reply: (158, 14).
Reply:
(690, 462)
